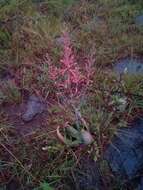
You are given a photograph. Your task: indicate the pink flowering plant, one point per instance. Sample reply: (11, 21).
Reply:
(70, 80)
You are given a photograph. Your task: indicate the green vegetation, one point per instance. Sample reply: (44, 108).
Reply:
(29, 29)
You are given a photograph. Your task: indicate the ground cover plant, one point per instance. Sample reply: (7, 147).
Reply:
(64, 51)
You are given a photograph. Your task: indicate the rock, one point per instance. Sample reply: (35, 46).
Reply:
(131, 66)
(34, 106)
(88, 175)
(59, 40)
(139, 20)
(140, 186)
(125, 153)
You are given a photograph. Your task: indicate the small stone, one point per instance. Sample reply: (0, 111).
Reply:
(59, 40)
(130, 66)
(34, 106)
(44, 148)
(139, 20)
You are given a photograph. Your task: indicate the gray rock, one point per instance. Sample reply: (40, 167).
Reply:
(88, 176)
(130, 66)
(34, 106)
(59, 40)
(125, 153)
(139, 20)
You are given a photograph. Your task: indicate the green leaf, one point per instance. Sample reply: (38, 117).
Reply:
(68, 2)
(46, 186)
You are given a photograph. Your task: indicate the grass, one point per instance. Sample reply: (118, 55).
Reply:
(28, 30)
(9, 93)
